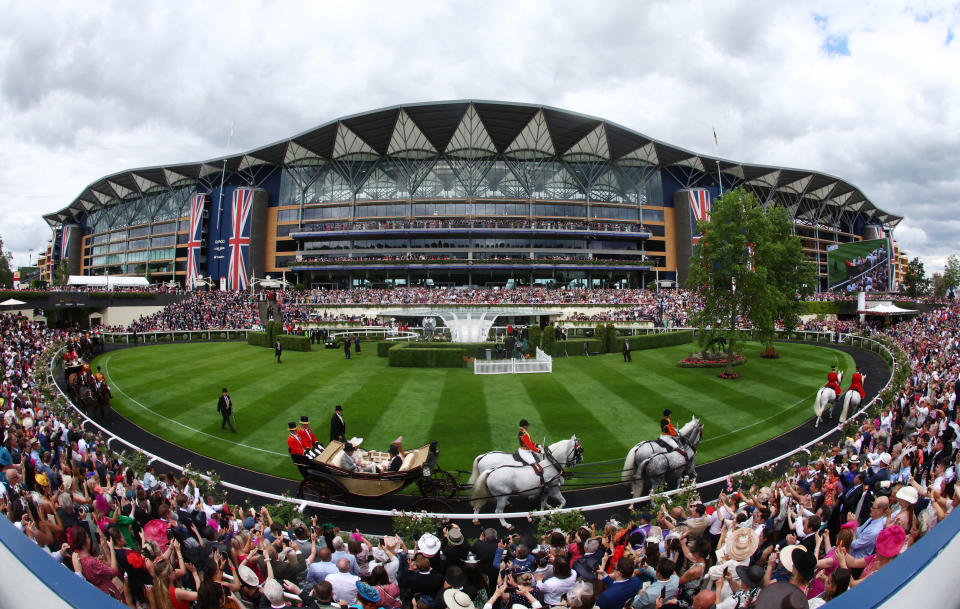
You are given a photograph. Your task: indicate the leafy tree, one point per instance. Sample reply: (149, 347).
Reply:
(951, 272)
(915, 282)
(747, 265)
(778, 264)
(6, 272)
(938, 285)
(61, 273)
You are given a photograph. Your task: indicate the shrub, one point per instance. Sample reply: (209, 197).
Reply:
(610, 338)
(406, 357)
(663, 339)
(575, 346)
(23, 294)
(259, 339)
(821, 307)
(383, 347)
(549, 339)
(290, 342)
(535, 334)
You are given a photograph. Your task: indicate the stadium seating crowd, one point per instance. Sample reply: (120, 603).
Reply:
(153, 539)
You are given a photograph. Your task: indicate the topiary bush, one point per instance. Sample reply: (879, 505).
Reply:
(406, 357)
(535, 335)
(663, 339)
(549, 339)
(290, 342)
(259, 339)
(575, 346)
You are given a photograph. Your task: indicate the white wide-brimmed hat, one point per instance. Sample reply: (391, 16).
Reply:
(741, 543)
(428, 544)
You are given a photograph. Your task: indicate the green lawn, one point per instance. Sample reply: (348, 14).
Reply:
(172, 390)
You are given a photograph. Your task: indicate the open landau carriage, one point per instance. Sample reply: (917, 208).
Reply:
(325, 480)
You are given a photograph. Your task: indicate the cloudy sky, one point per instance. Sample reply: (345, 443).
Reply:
(863, 90)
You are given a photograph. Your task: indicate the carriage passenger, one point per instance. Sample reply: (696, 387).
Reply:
(351, 462)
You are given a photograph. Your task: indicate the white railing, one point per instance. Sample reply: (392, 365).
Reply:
(159, 336)
(387, 333)
(542, 363)
(303, 503)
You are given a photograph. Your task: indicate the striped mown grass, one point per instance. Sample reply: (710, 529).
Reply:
(172, 390)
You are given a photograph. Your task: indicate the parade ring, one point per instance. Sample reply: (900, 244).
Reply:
(262, 486)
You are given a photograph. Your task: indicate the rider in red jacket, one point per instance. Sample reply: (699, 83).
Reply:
(833, 380)
(528, 447)
(856, 383)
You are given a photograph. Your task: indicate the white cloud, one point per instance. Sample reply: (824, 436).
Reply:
(86, 90)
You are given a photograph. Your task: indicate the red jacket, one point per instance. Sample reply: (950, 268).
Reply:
(294, 445)
(833, 381)
(526, 442)
(856, 384)
(306, 437)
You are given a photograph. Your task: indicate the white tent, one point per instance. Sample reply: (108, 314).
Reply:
(12, 302)
(108, 281)
(886, 308)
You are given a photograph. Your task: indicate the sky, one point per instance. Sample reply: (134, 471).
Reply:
(867, 91)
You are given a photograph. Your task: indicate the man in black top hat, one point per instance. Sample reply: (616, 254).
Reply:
(225, 408)
(396, 461)
(338, 429)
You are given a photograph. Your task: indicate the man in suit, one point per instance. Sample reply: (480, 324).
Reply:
(225, 408)
(346, 347)
(338, 429)
(278, 351)
(626, 351)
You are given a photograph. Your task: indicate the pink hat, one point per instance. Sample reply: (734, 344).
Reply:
(850, 524)
(890, 541)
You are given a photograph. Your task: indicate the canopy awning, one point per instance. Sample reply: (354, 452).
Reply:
(886, 308)
(108, 281)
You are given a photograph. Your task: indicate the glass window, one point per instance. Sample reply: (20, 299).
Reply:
(652, 215)
(163, 241)
(101, 238)
(139, 244)
(118, 236)
(162, 253)
(140, 231)
(166, 227)
(288, 215)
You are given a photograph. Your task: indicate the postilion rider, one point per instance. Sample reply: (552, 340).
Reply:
(856, 383)
(528, 450)
(667, 431)
(833, 381)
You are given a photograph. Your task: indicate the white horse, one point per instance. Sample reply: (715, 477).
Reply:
(851, 399)
(825, 398)
(497, 458)
(515, 479)
(651, 462)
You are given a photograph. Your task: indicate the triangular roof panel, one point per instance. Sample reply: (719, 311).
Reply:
(591, 147)
(349, 144)
(644, 155)
(408, 140)
(533, 141)
(299, 155)
(122, 191)
(470, 139)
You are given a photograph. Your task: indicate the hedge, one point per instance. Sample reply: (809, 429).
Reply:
(662, 339)
(827, 307)
(119, 295)
(575, 346)
(23, 294)
(259, 339)
(292, 342)
(425, 357)
(383, 347)
(535, 334)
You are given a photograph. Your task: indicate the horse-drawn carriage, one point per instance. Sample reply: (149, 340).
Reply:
(325, 480)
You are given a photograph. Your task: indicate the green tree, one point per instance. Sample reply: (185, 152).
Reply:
(779, 265)
(915, 282)
(61, 273)
(6, 272)
(748, 265)
(548, 339)
(951, 272)
(938, 285)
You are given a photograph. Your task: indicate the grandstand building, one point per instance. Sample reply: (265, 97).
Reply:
(443, 194)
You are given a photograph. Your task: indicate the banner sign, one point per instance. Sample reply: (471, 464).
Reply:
(238, 243)
(195, 239)
(700, 211)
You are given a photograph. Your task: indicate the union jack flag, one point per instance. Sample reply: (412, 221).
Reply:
(700, 207)
(195, 239)
(65, 242)
(239, 241)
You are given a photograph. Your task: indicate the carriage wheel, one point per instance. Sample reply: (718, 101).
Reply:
(432, 505)
(316, 489)
(441, 484)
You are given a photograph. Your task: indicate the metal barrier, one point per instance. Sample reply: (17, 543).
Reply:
(542, 363)
(159, 336)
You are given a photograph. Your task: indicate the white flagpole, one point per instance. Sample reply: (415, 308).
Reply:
(223, 175)
(719, 175)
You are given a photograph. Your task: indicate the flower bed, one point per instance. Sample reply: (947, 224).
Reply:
(695, 362)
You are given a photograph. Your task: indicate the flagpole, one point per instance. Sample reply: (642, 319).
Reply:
(719, 175)
(223, 175)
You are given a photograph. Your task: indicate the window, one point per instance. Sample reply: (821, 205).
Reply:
(288, 215)
(652, 215)
(139, 244)
(166, 227)
(163, 241)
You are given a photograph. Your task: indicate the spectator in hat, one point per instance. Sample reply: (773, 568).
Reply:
(367, 596)
(225, 408)
(746, 583)
(453, 546)
(457, 599)
(429, 546)
(889, 543)
(338, 428)
(781, 595)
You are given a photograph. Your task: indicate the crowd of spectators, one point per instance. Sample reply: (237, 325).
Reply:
(202, 310)
(475, 223)
(154, 539)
